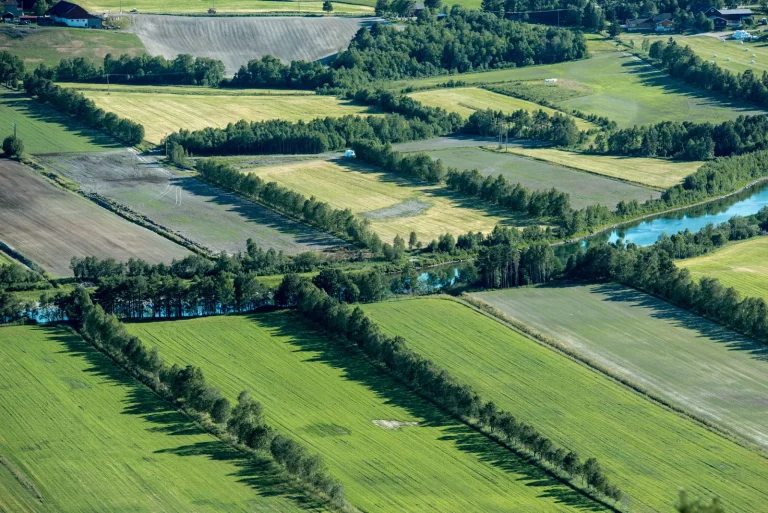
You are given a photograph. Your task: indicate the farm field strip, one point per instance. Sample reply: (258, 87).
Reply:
(741, 265)
(163, 113)
(338, 405)
(50, 226)
(584, 188)
(45, 130)
(658, 173)
(90, 438)
(183, 90)
(466, 100)
(623, 89)
(394, 205)
(647, 450)
(201, 7)
(184, 204)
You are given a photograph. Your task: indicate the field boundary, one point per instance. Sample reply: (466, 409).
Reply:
(21, 477)
(488, 310)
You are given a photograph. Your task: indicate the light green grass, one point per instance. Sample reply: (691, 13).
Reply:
(395, 206)
(659, 173)
(741, 265)
(466, 100)
(91, 439)
(329, 399)
(44, 130)
(6, 259)
(623, 89)
(48, 45)
(648, 451)
(163, 113)
(584, 188)
(224, 6)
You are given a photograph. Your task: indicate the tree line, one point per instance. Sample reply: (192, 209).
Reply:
(75, 104)
(557, 128)
(11, 68)
(186, 386)
(354, 329)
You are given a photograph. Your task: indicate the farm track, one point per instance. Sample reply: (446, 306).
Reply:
(238, 40)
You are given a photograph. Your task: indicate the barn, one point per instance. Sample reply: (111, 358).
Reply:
(72, 15)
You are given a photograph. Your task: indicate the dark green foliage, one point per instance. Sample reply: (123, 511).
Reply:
(503, 265)
(13, 146)
(11, 68)
(696, 506)
(556, 128)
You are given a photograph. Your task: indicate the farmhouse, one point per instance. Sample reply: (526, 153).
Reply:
(660, 23)
(72, 15)
(724, 18)
(13, 8)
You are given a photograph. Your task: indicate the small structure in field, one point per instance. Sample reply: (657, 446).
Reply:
(551, 80)
(350, 154)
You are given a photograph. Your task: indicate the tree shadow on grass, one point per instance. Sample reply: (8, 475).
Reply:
(307, 339)
(259, 473)
(678, 317)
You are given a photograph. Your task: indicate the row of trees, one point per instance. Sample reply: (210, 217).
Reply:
(141, 69)
(11, 68)
(319, 214)
(244, 424)
(353, 328)
(557, 128)
(73, 103)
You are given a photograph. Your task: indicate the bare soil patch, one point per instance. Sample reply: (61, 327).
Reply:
(391, 425)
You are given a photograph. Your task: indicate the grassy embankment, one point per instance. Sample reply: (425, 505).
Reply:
(647, 450)
(391, 450)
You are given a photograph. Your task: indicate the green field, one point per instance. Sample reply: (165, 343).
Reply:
(225, 6)
(338, 405)
(48, 45)
(44, 130)
(90, 439)
(395, 206)
(658, 173)
(648, 451)
(166, 112)
(620, 87)
(584, 188)
(741, 265)
(466, 100)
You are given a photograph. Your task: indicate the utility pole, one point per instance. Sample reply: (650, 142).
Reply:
(166, 145)
(14, 130)
(107, 83)
(501, 128)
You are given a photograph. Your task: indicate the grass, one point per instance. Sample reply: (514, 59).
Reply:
(622, 89)
(5, 259)
(393, 205)
(647, 450)
(48, 45)
(167, 112)
(658, 173)
(226, 6)
(584, 188)
(740, 265)
(329, 400)
(88, 438)
(44, 130)
(466, 100)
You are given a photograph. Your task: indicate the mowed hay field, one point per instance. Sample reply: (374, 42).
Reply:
(162, 113)
(336, 404)
(181, 203)
(86, 437)
(222, 6)
(466, 100)
(237, 40)
(658, 173)
(48, 45)
(691, 362)
(44, 130)
(618, 86)
(393, 205)
(50, 226)
(647, 450)
(741, 265)
(584, 188)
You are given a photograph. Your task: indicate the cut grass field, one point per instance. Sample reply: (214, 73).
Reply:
(466, 100)
(223, 6)
(741, 265)
(86, 437)
(621, 88)
(584, 188)
(658, 173)
(334, 402)
(650, 452)
(183, 204)
(48, 45)
(44, 130)
(395, 206)
(690, 362)
(49, 225)
(166, 112)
